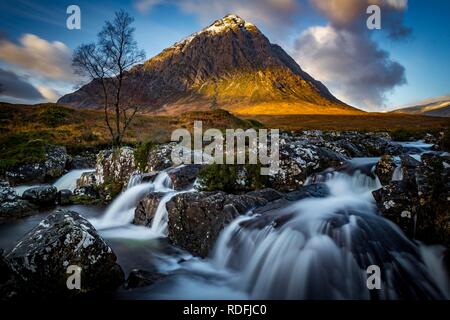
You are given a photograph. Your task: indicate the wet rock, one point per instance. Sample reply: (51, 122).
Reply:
(41, 258)
(385, 169)
(86, 179)
(146, 209)
(196, 218)
(142, 278)
(44, 195)
(86, 195)
(12, 207)
(316, 190)
(183, 176)
(83, 161)
(267, 194)
(63, 197)
(53, 166)
(420, 203)
(159, 158)
(398, 205)
(297, 160)
(115, 165)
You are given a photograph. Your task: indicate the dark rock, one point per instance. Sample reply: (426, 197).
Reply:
(64, 197)
(86, 195)
(83, 161)
(52, 167)
(183, 176)
(267, 194)
(196, 218)
(385, 169)
(316, 190)
(409, 166)
(146, 209)
(16, 209)
(397, 204)
(44, 195)
(142, 278)
(41, 258)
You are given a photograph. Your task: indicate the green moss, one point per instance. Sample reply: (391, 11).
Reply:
(141, 154)
(232, 178)
(85, 200)
(21, 148)
(111, 188)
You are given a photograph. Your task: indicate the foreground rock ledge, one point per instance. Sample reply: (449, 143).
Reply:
(40, 259)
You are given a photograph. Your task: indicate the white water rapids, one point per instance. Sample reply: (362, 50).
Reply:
(315, 248)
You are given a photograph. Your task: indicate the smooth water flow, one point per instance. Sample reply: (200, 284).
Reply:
(117, 220)
(67, 181)
(315, 248)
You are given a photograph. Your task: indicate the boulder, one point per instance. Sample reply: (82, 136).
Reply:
(419, 203)
(146, 209)
(86, 179)
(385, 169)
(63, 197)
(183, 176)
(197, 218)
(160, 157)
(115, 165)
(82, 161)
(43, 195)
(40, 260)
(398, 205)
(12, 206)
(142, 278)
(53, 166)
(86, 195)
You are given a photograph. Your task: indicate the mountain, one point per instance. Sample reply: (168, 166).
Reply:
(229, 65)
(439, 108)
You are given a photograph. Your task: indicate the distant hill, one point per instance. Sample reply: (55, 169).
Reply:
(229, 65)
(439, 108)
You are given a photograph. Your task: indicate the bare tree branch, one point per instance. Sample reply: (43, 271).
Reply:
(107, 63)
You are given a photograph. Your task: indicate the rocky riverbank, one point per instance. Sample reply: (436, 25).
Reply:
(414, 193)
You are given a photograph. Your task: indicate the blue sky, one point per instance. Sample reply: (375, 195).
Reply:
(368, 69)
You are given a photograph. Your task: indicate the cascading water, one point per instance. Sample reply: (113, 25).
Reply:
(315, 248)
(320, 248)
(67, 181)
(117, 220)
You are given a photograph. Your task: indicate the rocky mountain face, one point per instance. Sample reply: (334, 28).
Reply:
(229, 65)
(435, 109)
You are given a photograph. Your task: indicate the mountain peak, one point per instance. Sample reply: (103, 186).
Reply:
(229, 64)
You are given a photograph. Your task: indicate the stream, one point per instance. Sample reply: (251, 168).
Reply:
(315, 248)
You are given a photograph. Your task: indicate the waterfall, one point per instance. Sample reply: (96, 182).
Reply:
(69, 180)
(117, 220)
(320, 248)
(121, 211)
(135, 179)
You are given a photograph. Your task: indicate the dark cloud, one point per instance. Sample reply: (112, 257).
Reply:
(351, 64)
(344, 55)
(15, 86)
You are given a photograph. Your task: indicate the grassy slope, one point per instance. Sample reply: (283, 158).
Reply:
(25, 129)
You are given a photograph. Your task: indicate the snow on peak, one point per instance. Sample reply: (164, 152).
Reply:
(219, 26)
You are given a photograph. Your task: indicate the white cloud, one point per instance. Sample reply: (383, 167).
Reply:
(49, 94)
(48, 59)
(350, 64)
